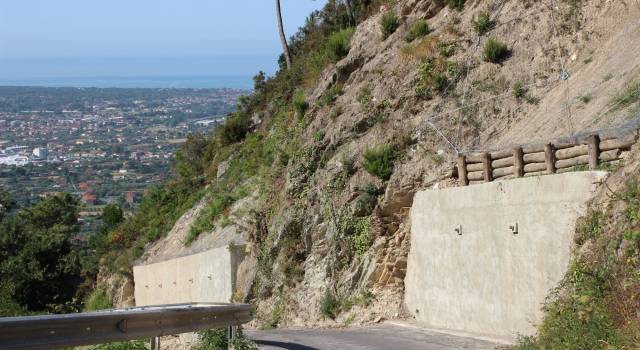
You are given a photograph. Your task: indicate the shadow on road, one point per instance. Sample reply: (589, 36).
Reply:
(284, 345)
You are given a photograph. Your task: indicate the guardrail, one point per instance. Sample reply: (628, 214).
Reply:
(59, 331)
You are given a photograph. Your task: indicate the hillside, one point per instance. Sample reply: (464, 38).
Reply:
(316, 170)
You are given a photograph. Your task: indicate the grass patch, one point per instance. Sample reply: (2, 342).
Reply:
(388, 24)
(626, 97)
(379, 161)
(332, 305)
(456, 4)
(586, 98)
(337, 45)
(128, 345)
(435, 76)
(495, 51)
(300, 104)
(98, 300)
(482, 23)
(218, 339)
(417, 30)
(330, 96)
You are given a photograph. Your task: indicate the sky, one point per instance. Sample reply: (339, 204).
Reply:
(82, 38)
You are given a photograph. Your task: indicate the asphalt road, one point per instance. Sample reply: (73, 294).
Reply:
(382, 336)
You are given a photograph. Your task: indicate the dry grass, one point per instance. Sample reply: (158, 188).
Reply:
(421, 49)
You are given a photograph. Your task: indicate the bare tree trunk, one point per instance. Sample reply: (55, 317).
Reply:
(352, 17)
(283, 38)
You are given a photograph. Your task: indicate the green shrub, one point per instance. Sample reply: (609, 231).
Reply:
(330, 96)
(379, 161)
(337, 45)
(418, 29)
(389, 23)
(495, 51)
(519, 90)
(482, 23)
(446, 48)
(300, 104)
(234, 129)
(435, 75)
(456, 4)
(98, 300)
(364, 97)
(329, 306)
(218, 339)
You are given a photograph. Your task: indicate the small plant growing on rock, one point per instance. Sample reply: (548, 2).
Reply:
(379, 161)
(482, 23)
(456, 4)
(495, 51)
(300, 104)
(337, 46)
(389, 23)
(418, 29)
(519, 90)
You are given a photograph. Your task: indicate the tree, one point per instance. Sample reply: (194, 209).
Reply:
(112, 216)
(352, 17)
(283, 38)
(40, 268)
(6, 203)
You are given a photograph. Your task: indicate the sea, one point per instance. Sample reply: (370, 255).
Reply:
(166, 82)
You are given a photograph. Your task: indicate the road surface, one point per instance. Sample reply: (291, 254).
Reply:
(382, 336)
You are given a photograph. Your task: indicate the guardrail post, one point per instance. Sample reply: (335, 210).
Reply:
(518, 162)
(594, 151)
(462, 170)
(155, 343)
(486, 167)
(231, 336)
(550, 158)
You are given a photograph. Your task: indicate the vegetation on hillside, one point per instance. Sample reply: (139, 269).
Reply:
(40, 268)
(596, 305)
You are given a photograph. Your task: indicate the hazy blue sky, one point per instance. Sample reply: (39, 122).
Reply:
(54, 38)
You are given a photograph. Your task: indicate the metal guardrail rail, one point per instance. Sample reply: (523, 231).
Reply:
(59, 331)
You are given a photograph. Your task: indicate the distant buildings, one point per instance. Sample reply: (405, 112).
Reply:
(40, 153)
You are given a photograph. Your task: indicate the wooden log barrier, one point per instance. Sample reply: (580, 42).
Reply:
(502, 163)
(535, 167)
(612, 144)
(475, 176)
(462, 170)
(505, 153)
(594, 151)
(550, 158)
(572, 152)
(486, 165)
(475, 167)
(568, 163)
(533, 158)
(502, 172)
(518, 162)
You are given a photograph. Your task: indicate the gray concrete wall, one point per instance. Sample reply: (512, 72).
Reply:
(489, 281)
(204, 277)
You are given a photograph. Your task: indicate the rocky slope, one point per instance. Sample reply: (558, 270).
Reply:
(327, 241)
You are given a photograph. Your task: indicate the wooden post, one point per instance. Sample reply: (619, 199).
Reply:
(594, 151)
(462, 170)
(486, 167)
(518, 162)
(550, 158)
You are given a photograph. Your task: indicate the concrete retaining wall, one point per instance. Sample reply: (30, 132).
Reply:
(204, 277)
(488, 280)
